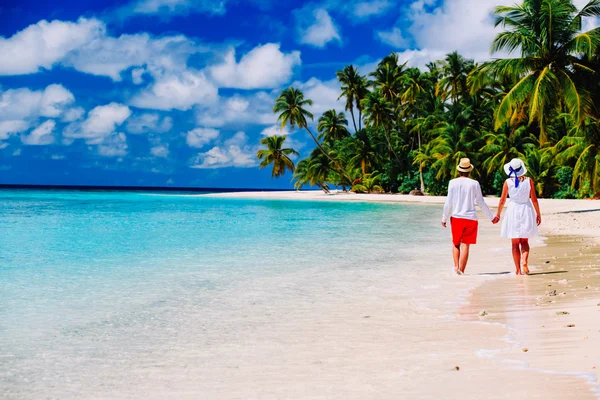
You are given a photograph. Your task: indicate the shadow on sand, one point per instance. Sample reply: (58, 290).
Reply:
(530, 274)
(547, 273)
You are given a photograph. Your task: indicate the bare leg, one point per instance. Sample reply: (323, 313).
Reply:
(516, 252)
(464, 257)
(456, 256)
(525, 255)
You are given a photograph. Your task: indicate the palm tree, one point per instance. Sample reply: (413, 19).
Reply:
(502, 147)
(379, 113)
(455, 70)
(291, 106)
(332, 126)
(368, 184)
(365, 154)
(582, 145)
(450, 145)
(388, 79)
(354, 89)
(276, 155)
(540, 167)
(313, 171)
(547, 33)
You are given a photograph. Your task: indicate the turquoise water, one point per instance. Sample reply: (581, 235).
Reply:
(92, 282)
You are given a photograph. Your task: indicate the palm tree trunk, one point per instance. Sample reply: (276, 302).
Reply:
(359, 119)
(353, 121)
(340, 169)
(421, 165)
(390, 148)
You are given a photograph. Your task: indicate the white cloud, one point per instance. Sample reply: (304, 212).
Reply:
(235, 152)
(160, 151)
(43, 44)
(238, 111)
(42, 135)
(114, 145)
(290, 141)
(221, 157)
(24, 103)
(100, 124)
(367, 9)
(323, 94)
(320, 29)
(199, 137)
(179, 92)
(465, 26)
(110, 56)
(137, 76)
(165, 8)
(149, 123)
(73, 114)
(275, 130)
(393, 37)
(11, 127)
(263, 67)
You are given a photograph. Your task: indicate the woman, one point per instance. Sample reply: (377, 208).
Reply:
(521, 221)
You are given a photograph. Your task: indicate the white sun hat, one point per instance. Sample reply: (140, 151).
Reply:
(464, 165)
(515, 167)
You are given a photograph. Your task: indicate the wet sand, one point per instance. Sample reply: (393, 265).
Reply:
(514, 338)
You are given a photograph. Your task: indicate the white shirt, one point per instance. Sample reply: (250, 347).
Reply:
(463, 195)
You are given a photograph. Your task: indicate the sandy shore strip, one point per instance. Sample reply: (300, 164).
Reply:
(550, 320)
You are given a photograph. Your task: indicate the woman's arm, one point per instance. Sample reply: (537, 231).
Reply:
(535, 202)
(502, 199)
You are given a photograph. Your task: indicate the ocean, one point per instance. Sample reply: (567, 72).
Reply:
(152, 295)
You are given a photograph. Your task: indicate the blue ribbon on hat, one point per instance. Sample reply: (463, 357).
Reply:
(515, 171)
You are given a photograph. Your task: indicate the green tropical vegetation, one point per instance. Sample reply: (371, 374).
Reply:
(410, 127)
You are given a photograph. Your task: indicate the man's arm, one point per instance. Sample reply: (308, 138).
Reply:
(481, 203)
(447, 205)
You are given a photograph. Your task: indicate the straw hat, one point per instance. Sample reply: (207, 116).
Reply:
(464, 165)
(515, 167)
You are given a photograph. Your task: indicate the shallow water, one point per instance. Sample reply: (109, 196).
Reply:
(128, 295)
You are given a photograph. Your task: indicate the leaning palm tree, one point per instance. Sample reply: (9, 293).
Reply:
(354, 89)
(547, 34)
(313, 171)
(291, 106)
(332, 126)
(276, 155)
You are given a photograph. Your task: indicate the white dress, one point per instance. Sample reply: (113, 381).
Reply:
(519, 219)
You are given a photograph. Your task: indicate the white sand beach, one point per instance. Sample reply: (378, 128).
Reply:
(531, 337)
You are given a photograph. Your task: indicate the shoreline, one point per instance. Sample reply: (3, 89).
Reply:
(542, 344)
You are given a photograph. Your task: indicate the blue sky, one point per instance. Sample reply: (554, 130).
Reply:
(180, 92)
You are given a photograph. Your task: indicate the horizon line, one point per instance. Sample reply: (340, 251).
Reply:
(134, 188)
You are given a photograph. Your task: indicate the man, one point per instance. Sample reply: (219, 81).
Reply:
(463, 194)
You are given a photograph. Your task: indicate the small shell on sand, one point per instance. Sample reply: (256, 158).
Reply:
(562, 313)
(483, 313)
(525, 349)
(571, 326)
(457, 368)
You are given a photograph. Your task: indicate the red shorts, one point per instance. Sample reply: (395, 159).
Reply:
(464, 231)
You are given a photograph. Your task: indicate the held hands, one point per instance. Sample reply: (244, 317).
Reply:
(496, 220)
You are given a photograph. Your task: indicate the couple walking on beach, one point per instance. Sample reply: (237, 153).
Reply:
(520, 221)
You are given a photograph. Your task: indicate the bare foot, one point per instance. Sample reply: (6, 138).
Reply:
(518, 272)
(525, 269)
